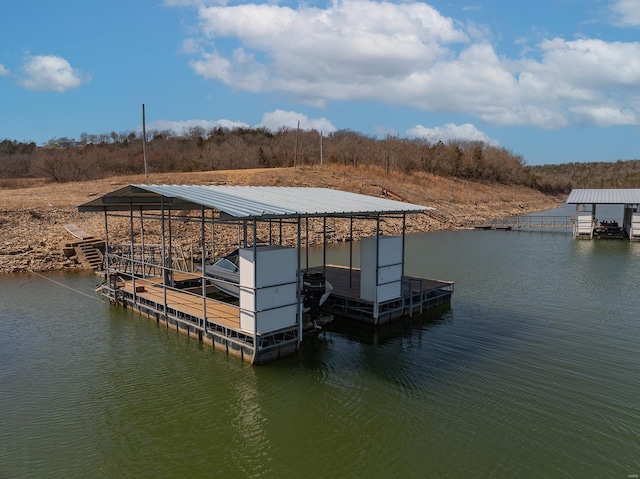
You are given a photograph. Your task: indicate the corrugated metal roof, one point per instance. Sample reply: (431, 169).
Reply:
(251, 201)
(618, 196)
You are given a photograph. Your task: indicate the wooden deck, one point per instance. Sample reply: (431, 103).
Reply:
(347, 283)
(217, 311)
(177, 277)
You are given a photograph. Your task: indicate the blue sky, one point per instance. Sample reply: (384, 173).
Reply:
(554, 81)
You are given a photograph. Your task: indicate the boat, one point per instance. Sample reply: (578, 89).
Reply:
(224, 274)
(609, 229)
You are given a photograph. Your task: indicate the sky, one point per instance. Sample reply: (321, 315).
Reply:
(553, 81)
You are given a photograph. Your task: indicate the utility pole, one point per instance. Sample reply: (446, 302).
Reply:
(295, 156)
(144, 143)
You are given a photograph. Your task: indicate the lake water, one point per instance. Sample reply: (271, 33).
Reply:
(532, 372)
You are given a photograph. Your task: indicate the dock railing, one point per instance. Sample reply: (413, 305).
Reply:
(529, 222)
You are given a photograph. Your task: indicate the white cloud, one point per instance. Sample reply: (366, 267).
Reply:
(50, 73)
(605, 116)
(3, 70)
(626, 13)
(183, 127)
(384, 131)
(311, 51)
(449, 132)
(289, 119)
(273, 121)
(408, 54)
(589, 64)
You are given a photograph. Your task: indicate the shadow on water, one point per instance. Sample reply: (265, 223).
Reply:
(379, 335)
(402, 352)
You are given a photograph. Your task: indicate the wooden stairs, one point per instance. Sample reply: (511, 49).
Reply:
(87, 249)
(89, 254)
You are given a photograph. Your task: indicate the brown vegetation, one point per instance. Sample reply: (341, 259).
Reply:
(100, 156)
(562, 178)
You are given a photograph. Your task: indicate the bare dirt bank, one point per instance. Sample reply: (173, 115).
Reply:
(32, 218)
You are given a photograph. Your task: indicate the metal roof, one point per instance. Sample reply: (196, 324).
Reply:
(621, 196)
(249, 201)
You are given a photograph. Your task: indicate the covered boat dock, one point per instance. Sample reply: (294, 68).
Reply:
(587, 225)
(273, 228)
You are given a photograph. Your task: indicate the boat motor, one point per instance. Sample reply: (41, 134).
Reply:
(313, 287)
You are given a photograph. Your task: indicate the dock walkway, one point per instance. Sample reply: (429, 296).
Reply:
(77, 232)
(528, 222)
(151, 290)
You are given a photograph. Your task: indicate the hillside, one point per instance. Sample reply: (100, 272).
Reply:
(562, 178)
(32, 218)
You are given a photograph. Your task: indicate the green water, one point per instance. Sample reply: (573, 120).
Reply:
(533, 372)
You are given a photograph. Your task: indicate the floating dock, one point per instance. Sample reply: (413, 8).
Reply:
(186, 312)
(277, 304)
(587, 226)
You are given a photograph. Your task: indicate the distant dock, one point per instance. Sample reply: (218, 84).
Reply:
(587, 226)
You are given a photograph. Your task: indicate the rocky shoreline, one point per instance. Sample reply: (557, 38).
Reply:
(32, 219)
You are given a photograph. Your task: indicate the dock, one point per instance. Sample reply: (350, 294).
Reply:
(584, 224)
(278, 300)
(587, 225)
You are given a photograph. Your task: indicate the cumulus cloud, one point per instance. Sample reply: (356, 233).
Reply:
(289, 119)
(408, 54)
(184, 127)
(3, 70)
(605, 116)
(50, 73)
(450, 132)
(273, 121)
(626, 13)
(309, 51)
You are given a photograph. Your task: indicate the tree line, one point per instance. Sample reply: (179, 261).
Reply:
(103, 155)
(564, 177)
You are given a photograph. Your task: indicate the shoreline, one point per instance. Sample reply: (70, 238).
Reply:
(32, 219)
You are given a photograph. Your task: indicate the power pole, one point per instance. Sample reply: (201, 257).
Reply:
(144, 143)
(295, 156)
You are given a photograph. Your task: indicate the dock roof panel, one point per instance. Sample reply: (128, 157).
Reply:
(250, 201)
(620, 196)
